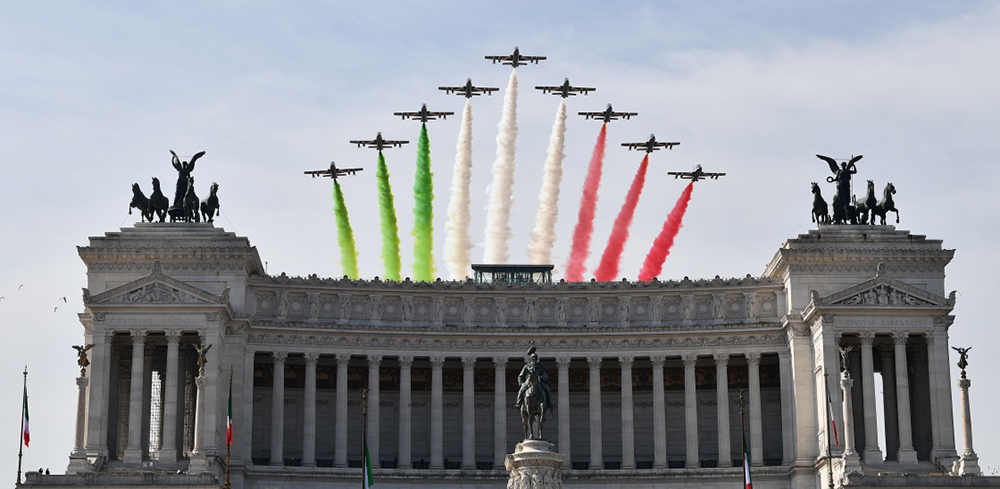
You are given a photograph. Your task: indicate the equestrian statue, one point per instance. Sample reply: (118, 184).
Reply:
(534, 398)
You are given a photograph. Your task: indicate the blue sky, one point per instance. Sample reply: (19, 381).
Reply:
(94, 95)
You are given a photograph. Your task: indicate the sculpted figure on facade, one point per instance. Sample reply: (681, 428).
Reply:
(687, 305)
(532, 315)
(654, 308)
(594, 309)
(407, 307)
(469, 310)
(561, 309)
(345, 307)
(750, 302)
(282, 304)
(375, 308)
(81, 357)
(624, 309)
(501, 305)
(437, 304)
(313, 306)
(719, 306)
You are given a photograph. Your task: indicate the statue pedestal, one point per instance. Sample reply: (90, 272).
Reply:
(534, 465)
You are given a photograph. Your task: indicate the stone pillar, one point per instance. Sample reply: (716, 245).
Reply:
(278, 409)
(562, 399)
(969, 463)
(596, 444)
(78, 458)
(405, 398)
(98, 399)
(940, 388)
(889, 403)
(309, 413)
(499, 411)
(245, 424)
(340, 450)
(628, 431)
(468, 413)
(373, 409)
(168, 445)
(659, 415)
(935, 408)
(872, 455)
(722, 401)
(692, 459)
(907, 455)
(437, 414)
(851, 461)
(199, 462)
(787, 404)
(134, 452)
(756, 420)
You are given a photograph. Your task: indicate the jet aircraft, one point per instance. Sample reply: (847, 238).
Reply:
(468, 90)
(515, 59)
(334, 172)
(423, 115)
(565, 90)
(379, 143)
(608, 115)
(650, 145)
(696, 174)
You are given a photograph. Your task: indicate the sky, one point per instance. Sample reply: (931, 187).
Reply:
(94, 95)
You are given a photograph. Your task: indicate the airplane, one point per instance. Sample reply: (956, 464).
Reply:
(379, 143)
(515, 59)
(423, 115)
(608, 114)
(334, 172)
(565, 90)
(696, 174)
(468, 90)
(650, 145)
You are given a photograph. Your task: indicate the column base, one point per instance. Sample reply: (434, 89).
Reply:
(873, 456)
(967, 465)
(132, 456)
(907, 456)
(851, 464)
(199, 464)
(168, 456)
(78, 464)
(534, 465)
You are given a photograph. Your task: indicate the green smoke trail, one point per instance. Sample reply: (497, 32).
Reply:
(390, 230)
(423, 212)
(345, 235)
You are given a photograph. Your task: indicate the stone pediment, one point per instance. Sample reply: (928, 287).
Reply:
(155, 288)
(882, 291)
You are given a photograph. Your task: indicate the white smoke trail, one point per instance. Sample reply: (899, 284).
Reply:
(457, 244)
(544, 235)
(502, 189)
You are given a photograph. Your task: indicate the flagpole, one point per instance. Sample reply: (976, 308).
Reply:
(20, 434)
(743, 437)
(829, 446)
(229, 442)
(364, 438)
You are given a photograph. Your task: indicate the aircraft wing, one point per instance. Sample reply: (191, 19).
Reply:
(396, 144)
(349, 171)
(685, 175)
(407, 115)
(318, 173)
(713, 176)
(451, 89)
(443, 115)
(486, 90)
(584, 90)
(500, 58)
(634, 145)
(668, 145)
(533, 59)
(626, 115)
(547, 89)
(362, 143)
(591, 115)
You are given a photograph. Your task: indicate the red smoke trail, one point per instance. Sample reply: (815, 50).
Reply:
(608, 269)
(585, 219)
(662, 244)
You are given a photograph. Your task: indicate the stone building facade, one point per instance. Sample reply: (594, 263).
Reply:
(647, 376)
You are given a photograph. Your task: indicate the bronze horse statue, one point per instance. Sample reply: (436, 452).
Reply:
(191, 203)
(820, 212)
(885, 205)
(210, 204)
(158, 203)
(139, 201)
(866, 208)
(533, 409)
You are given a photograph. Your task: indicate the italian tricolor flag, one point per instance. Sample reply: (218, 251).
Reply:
(229, 416)
(746, 467)
(368, 478)
(24, 419)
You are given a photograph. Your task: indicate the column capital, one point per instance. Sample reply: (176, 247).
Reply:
(838, 337)
(469, 363)
(899, 337)
(753, 359)
(563, 362)
(173, 336)
(657, 360)
(594, 362)
(721, 359)
(929, 339)
(279, 356)
(626, 362)
(689, 360)
(249, 353)
(311, 358)
(374, 361)
(109, 337)
(201, 381)
(406, 362)
(138, 335)
(437, 362)
(343, 359)
(82, 381)
(500, 363)
(846, 382)
(867, 337)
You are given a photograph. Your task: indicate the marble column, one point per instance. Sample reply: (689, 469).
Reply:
(340, 449)
(872, 454)
(889, 403)
(756, 420)
(935, 408)
(373, 409)
(499, 411)
(245, 424)
(628, 430)
(692, 459)
(659, 415)
(405, 398)
(722, 401)
(968, 464)
(78, 458)
(309, 413)
(562, 399)
(278, 409)
(98, 398)
(851, 461)
(941, 389)
(437, 414)
(199, 462)
(168, 445)
(134, 452)
(468, 413)
(787, 404)
(596, 444)
(907, 455)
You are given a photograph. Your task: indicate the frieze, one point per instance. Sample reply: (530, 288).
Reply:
(115, 320)
(883, 291)
(850, 323)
